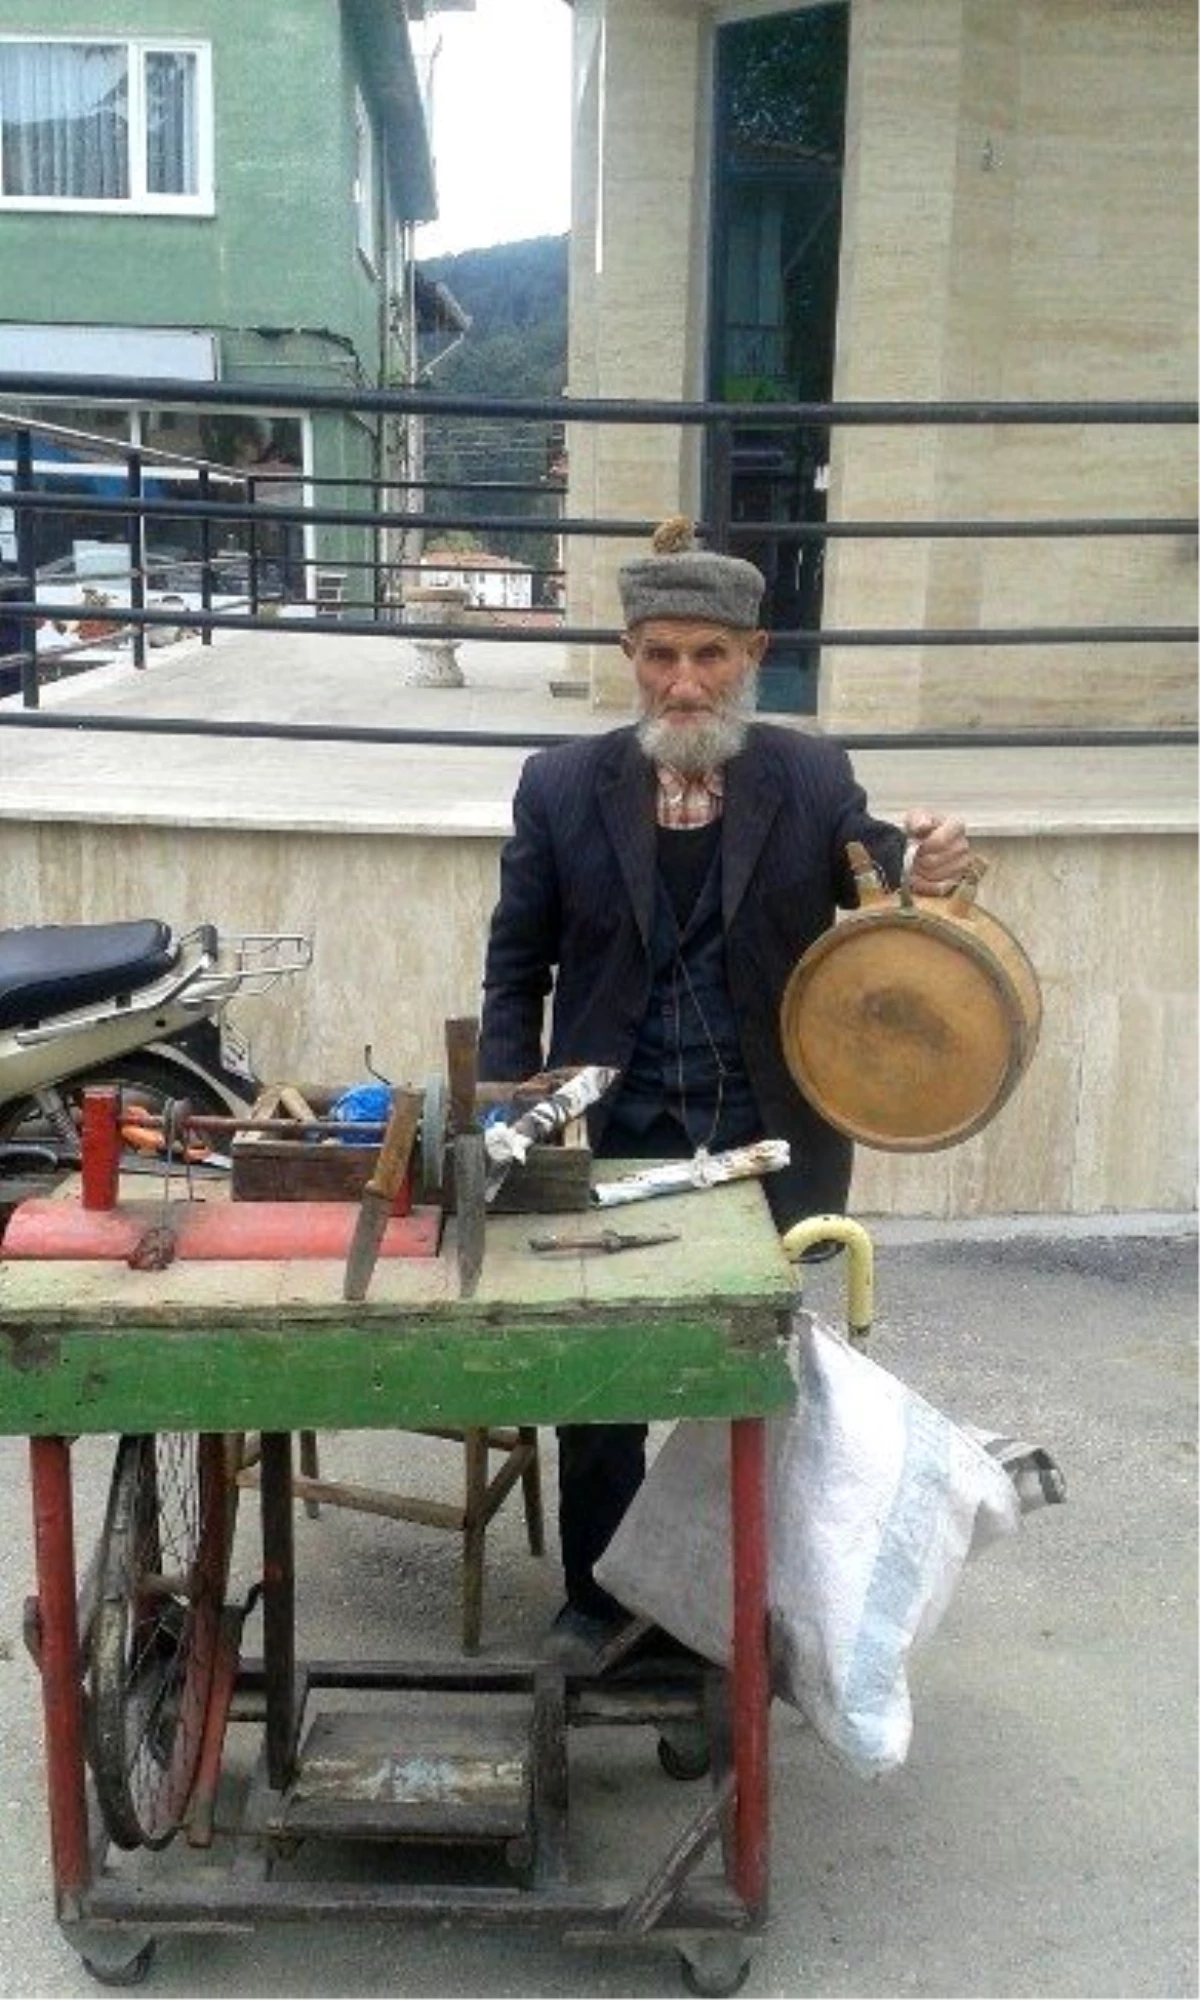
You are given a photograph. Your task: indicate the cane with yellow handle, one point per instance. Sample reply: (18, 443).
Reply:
(860, 1258)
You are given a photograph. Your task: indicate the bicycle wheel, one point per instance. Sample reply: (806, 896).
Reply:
(160, 1588)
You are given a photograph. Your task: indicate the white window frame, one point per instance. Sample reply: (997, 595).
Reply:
(139, 201)
(366, 225)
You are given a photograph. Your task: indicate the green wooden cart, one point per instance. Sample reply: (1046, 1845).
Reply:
(142, 1658)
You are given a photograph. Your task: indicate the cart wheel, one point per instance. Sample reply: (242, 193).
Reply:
(132, 1972)
(715, 1967)
(685, 1752)
(160, 1587)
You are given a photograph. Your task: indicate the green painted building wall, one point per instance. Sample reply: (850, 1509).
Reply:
(280, 249)
(275, 272)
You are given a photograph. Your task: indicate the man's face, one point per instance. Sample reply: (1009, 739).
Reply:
(696, 682)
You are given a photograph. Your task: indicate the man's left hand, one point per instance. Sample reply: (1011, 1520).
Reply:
(942, 852)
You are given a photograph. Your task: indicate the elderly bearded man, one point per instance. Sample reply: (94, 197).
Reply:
(664, 879)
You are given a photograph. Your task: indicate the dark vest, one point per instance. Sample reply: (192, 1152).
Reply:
(687, 1060)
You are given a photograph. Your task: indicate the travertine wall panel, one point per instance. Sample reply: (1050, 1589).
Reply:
(397, 925)
(633, 257)
(1105, 1119)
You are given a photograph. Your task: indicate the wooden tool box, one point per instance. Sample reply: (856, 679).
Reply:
(268, 1166)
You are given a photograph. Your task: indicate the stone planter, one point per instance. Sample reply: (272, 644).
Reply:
(429, 661)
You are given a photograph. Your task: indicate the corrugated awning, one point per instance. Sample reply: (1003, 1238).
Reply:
(438, 311)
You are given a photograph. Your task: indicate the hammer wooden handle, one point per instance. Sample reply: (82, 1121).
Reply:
(391, 1164)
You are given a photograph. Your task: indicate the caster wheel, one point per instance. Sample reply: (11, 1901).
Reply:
(717, 1969)
(132, 1973)
(685, 1754)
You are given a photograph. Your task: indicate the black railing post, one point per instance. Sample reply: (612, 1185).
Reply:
(718, 497)
(137, 554)
(252, 547)
(26, 551)
(206, 580)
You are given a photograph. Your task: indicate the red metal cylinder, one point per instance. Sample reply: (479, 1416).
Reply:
(751, 1688)
(101, 1146)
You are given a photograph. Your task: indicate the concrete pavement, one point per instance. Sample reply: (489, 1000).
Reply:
(1041, 1838)
(353, 681)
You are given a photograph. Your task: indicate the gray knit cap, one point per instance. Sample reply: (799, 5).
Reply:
(681, 581)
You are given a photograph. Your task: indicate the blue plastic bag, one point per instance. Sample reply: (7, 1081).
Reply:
(363, 1102)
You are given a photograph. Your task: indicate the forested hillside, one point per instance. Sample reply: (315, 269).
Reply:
(516, 296)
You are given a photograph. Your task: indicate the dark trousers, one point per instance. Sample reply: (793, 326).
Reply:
(601, 1466)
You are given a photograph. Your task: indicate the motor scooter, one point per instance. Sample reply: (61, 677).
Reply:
(134, 1003)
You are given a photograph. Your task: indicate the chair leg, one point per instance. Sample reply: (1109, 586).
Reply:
(475, 1450)
(309, 1469)
(531, 1489)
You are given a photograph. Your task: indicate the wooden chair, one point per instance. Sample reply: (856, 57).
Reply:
(482, 1496)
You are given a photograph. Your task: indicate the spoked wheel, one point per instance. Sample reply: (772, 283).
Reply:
(160, 1589)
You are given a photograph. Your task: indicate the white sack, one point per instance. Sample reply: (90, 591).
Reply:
(875, 1501)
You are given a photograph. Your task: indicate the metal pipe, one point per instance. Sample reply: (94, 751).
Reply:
(860, 1261)
(136, 536)
(288, 1127)
(25, 525)
(252, 546)
(61, 1669)
(251, 512)
(532, 739)
(279, 1606)
(713, 528)
(750, 1689)
(596, 409)
(206, 575)
(871, 635)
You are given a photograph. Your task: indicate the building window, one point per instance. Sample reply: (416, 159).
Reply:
(364, 181)
(108, 125)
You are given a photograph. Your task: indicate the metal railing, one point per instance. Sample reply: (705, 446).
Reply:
(232, 499)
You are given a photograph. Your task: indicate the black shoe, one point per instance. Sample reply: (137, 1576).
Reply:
(576, 1640)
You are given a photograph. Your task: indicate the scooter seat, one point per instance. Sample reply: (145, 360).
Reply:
(54, 968)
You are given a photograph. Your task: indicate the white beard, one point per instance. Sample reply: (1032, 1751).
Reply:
(694, 748)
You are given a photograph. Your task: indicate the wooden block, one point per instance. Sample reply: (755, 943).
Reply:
(553, 1180)
(272, 1169)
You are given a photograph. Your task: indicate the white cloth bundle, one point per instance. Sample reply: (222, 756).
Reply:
(875, 1502)
(506, 1145)
(703, 1170)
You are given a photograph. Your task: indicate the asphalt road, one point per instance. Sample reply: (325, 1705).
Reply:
(1040, 1839)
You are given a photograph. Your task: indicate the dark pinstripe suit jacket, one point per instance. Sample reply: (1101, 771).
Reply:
(575, 910)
